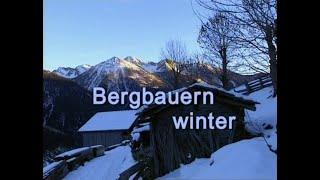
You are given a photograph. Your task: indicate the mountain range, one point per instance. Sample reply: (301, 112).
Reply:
(131, 73)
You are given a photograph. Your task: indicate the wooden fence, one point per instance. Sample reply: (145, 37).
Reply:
(132, 171)
(71, 160)
(255, 85)
(57, 170)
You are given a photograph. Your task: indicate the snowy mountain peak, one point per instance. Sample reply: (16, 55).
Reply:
(114, 64)
(133, 59)
(69, 72)
(114, 60)
(83, 68)
(96, 74)
(128, 73)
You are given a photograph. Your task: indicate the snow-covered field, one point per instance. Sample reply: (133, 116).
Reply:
(107, 167)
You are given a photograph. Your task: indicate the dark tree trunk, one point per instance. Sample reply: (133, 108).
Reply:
(273, 58)
(224, 76)
(273, 73)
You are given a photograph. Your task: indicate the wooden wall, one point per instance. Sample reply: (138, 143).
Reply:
(172, 147)
(105, 138)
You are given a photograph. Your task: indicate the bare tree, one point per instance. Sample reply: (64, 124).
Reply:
(198, 62)
(256, 33)
(176, 56)
(193, 66)
(216, 37)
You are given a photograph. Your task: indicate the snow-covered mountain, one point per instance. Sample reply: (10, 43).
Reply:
(69, 73)
(131, 73)
(133, 60)
(120, 74)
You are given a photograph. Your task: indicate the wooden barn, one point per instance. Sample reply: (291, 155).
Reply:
(107, 128)
(163, 148)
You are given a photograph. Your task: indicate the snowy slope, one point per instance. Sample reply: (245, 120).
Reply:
(98, 72)
(83, 68)
(133, 60)
(264, 119)
(246, 159)
(151, 67)
(107, 167)
(267, 109)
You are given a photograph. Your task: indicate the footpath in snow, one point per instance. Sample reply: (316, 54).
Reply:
(107, 167)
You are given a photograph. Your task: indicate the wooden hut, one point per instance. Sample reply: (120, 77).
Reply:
(107, 128)
(164, 147)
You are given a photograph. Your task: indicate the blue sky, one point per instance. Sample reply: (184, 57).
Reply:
(91, 31)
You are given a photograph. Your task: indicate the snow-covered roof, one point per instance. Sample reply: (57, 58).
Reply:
(112, 120)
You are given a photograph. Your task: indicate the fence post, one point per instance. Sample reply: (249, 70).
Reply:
(248, 88)
(261, 82)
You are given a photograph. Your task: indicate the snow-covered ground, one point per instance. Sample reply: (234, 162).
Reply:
(243, 160)
(264, 119)
(107, 167)
(267, 109)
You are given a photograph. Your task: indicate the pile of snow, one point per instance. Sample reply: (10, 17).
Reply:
(108, 166)
(246, 159)
(112, 120)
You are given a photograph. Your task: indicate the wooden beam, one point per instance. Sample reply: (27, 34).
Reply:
(125, 175)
